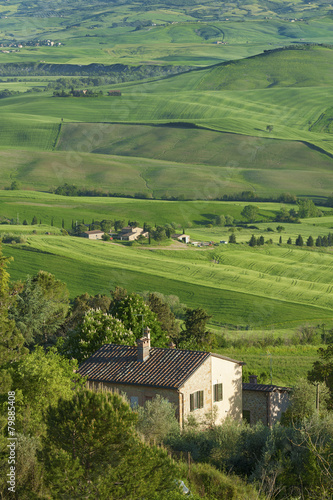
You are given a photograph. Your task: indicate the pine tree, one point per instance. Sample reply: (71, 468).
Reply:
(309, 242)
(280, 240)
(261, 241)
(319, 241)
(289, 242)
(232, 238)
(92, 448)
(34, 220)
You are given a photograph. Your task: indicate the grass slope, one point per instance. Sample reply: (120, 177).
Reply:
(27, 204)
(265, 288)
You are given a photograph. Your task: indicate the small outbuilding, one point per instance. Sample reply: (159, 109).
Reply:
(264, 402)
(184, 238)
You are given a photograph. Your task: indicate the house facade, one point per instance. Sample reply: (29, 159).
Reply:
(93, 235)
(263, 402)
(195, 382)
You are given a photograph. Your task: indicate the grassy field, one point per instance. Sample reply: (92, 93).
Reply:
(291, 111)
(257, 289)
(185, 214)
(158, 161)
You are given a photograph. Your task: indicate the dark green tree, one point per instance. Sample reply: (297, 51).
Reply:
(322, 370)
(220, 220)
(95, 330)
(232, 238)
(307, 209)
(25, 223)
(280, 240)
(136, 316)
(261, 241)
(250, 212)
(164, 314)
(310, 242)
(319, 241)
(299, 241)
(289, 242)
(92, 451)
(194, 334)
(11, 340)
(40, 308)
(34, 220)
(119, 224)
(253, 241)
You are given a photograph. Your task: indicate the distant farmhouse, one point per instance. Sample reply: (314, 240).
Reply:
(194, 381)
(184, 238)
(93, 235)
(114, 93)
(263, 402)
(129, 233)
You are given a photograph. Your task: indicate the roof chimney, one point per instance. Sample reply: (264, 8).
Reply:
(253, 379)
(144, 346)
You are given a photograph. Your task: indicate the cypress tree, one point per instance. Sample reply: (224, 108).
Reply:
(253, 241)
(289, 242)
(309, 242)
(319, 241)
(299, 241)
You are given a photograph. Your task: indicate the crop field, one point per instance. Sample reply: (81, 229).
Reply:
(289, 363)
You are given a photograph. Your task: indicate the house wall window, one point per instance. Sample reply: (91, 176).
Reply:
(218, 392)
(134, 401)
(196, 400)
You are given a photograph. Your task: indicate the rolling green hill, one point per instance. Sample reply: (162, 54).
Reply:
(266, 287)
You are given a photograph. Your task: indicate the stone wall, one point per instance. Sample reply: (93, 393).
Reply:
(256, 403)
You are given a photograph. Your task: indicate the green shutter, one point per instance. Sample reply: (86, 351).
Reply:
(191, 402)
(201, 399)
(218, 392)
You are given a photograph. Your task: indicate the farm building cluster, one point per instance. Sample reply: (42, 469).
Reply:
(130, 233)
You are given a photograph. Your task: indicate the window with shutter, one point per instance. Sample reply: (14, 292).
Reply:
(196, 400)
(218, 392)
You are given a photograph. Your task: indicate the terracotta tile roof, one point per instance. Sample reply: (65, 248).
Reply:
(95, 231)
(168, 368)
(264, 388)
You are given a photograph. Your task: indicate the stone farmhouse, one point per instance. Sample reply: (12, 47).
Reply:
(194, 381)
(129, 233)
(184, 238)
(93, 235)
(265, 403)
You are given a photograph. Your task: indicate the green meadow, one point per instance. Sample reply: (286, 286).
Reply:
(261, 288)
(44, 206)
